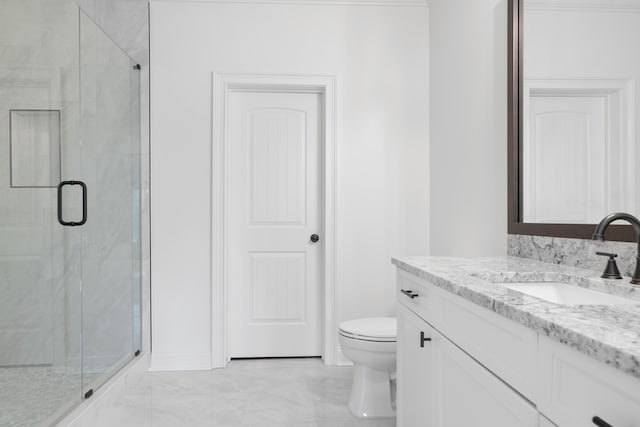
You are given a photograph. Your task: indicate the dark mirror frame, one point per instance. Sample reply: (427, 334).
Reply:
(622, 233)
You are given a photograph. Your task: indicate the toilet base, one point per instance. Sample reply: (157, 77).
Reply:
(371, 393)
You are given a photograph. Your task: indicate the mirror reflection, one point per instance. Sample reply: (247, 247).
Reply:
(580, 110)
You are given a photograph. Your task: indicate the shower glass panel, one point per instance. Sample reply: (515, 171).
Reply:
(40, 261)
(111, 170)
(69, 295)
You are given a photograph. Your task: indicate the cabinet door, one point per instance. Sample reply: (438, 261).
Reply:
(467, 394)
(414, 362)
(440, 385)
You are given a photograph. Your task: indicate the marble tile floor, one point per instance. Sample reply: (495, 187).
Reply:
(260, 393)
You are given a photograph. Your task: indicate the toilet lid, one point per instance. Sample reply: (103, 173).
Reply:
(376, 328)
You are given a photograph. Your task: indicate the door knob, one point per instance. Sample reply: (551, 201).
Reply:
(314, 238)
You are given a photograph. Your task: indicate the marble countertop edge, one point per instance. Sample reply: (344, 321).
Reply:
(598, 331)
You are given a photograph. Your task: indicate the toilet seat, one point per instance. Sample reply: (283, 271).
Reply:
(377, 329)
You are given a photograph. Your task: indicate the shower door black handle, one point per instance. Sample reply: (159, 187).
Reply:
(84, 203)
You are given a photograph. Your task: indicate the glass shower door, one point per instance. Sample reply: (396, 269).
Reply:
(111, 237)
(69, 289)
(40, 260)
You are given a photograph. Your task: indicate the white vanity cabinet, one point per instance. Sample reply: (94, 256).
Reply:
(440, 385)
(460, 364)
(467, 394)
(576, 388)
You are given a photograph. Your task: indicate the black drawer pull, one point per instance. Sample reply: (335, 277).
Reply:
(423, 339)
(409, 293)
(600, 422)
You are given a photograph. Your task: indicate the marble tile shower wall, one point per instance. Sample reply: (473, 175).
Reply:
(572, 252)
(42, 54)
(38, 70)
(125, 21)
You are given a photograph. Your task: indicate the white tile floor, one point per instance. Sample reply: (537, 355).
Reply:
(264, 393)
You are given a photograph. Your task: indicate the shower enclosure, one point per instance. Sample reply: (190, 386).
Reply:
(69, 209)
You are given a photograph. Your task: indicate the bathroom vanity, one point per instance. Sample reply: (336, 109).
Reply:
(477, 348)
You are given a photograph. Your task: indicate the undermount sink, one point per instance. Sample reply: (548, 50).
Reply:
(562, 293)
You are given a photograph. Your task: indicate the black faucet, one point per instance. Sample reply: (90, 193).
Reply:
(635, 222)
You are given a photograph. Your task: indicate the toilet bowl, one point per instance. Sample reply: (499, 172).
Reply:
(370, 344)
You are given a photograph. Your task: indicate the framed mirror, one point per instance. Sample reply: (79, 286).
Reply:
(574, 116)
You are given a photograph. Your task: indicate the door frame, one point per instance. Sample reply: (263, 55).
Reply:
(223, 85)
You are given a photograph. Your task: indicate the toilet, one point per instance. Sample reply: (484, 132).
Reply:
(370, 343)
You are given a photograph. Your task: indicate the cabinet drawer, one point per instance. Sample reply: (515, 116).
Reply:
(422, 301)
(505, 347)
(575, 388)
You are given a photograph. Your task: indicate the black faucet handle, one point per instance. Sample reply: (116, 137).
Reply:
(611, 271)
(611, 256)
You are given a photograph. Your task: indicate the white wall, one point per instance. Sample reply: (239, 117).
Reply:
(468, 142)
(379, 56)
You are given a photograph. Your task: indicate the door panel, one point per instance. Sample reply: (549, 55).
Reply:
(566, 170)
(277, 146)
(278, 287)
(274, 202)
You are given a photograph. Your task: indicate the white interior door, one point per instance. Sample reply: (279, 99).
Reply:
(274, 208)
(566, 173)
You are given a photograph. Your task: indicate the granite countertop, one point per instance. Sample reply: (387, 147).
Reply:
(608, 333)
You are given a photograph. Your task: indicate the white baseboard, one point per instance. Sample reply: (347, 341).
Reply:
(181, 362)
